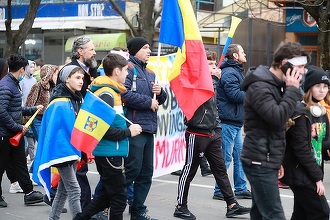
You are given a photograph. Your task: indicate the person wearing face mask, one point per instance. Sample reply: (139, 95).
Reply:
(11, 112)
(306, 149)
(26, 84)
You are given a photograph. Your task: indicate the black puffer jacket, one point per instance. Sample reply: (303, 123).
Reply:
(268, 105)
(300, 167)
(204, 120)
(11, 109)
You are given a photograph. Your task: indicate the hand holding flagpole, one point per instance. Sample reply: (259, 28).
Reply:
(15, 139)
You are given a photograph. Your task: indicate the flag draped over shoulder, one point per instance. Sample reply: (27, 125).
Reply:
(190, 78)
(54, 141)
(93, 120)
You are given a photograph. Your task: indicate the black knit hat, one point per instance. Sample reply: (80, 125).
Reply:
(315, 75)
(135, 44)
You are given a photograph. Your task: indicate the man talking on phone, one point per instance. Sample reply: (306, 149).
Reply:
(270, 100)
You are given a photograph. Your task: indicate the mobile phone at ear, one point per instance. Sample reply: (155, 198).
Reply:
(285, 67)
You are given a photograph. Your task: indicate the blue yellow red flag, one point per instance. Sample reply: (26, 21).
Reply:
(190, 75)
(234, 24)
(53, 141)
(93, 120)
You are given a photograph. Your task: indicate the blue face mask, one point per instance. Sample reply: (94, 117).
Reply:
(20, 78)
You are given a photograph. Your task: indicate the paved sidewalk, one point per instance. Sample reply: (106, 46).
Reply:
(161, 200)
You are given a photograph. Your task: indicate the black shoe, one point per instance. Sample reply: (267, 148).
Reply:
(237, 210)
(243, 195)
(218, 197)
(130, 209)
(142, 216)
(183, 213)
(177, 173)
(207, 171)
(3, 204)
(47, 201)
(33, 198)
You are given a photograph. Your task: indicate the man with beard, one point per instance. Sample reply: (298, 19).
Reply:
(83, 55)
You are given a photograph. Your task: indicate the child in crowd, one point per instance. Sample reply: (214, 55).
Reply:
(305, 151)
(109, 161)
(54, 147)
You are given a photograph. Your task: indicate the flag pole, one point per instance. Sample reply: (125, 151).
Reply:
(126, 119)
(157, 67)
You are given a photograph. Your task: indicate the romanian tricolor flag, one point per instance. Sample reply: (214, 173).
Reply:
(234, 24)
(190, 78)
(93, 120)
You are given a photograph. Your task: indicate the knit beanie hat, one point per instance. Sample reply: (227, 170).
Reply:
(65, 72)
(315, 75)
(135, 44)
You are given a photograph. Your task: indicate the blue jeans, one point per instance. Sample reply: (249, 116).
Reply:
(68, 187)
(139, 169)
(35, 126)
(266, 201)
(232, 143)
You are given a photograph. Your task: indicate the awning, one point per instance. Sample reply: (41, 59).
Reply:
(102, 42)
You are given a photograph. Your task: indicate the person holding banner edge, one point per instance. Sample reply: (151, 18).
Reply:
(11, 113)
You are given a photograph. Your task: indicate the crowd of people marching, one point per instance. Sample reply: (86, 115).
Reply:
(272, 123)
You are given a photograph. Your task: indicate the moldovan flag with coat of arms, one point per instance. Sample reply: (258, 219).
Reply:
(190, 77)
(93, 120)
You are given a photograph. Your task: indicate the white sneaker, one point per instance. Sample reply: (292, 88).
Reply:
(15, 188)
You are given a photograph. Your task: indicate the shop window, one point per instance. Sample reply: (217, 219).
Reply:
(33, 47)
(307, 40)
(205, 5)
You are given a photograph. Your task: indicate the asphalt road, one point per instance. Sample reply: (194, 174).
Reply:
(161, 200)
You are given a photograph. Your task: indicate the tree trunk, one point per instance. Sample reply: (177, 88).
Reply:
(323, 47)
(147, 20)
(15, 40)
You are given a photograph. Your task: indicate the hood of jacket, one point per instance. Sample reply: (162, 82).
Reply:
(261, 73)
(62, 91)
(106, 81)
(46, 74)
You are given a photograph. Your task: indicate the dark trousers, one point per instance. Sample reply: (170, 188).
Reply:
(139, 169)
(266, 201)
(86, 193)
(308, 205)
(112, 190)
(15, 155)
(197, 147)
